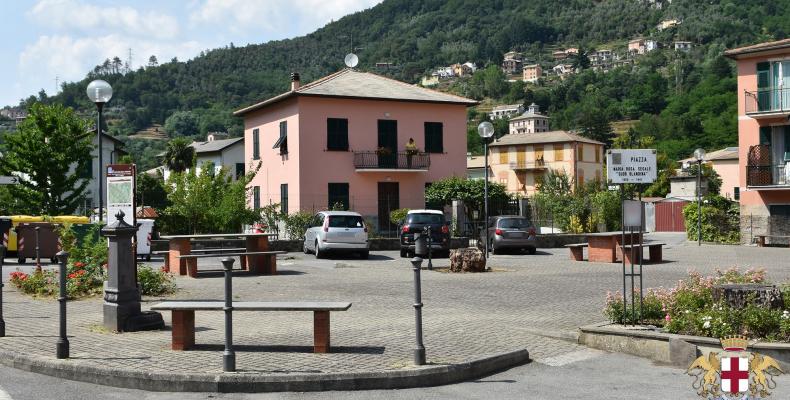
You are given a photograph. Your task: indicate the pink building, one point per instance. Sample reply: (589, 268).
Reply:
(342, 139)
(725, 163)
(764, 137)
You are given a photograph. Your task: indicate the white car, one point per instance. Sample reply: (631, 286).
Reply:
(337, 231)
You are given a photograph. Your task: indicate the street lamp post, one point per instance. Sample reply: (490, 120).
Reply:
(99, 92)
(485, 130)
(699, 154)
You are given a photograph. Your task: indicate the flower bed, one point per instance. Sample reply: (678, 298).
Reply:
(689, 308)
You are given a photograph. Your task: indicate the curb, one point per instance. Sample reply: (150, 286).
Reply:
(253, 383)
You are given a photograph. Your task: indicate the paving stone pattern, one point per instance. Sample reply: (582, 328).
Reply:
(529, 302)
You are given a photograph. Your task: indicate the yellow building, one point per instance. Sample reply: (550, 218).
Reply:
(519, 161)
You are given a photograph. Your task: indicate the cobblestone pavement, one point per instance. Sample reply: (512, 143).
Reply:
(530, 301)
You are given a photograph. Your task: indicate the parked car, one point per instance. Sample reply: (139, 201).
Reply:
(415, 222)
(509, 232)
(337, 231)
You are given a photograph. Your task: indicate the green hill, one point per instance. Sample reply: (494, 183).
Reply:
(683, 100)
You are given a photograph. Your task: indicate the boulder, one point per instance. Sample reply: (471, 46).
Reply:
(739, 295)
(467, 259)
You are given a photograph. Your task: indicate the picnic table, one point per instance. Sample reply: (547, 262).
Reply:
(606, 246)
(261, 263)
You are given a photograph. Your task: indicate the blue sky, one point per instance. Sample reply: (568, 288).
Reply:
(45, 39)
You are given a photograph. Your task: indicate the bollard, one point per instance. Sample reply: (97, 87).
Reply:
(63, 341)
(229, 356)
(420, 249)
(2, 320)
(419, 351)
(38, 259)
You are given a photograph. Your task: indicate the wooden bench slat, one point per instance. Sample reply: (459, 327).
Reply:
(248, 253)
(253, 306)
(628, 246)
(577, 245)
(232, 249)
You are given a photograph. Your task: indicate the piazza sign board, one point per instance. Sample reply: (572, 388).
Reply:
(631, 165)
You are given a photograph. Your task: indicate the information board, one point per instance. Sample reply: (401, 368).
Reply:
(631, 165)
(120, 192)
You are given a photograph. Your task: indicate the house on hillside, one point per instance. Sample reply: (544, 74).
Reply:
(506, 111)
(531, 121)
(520, 161)
(560, 55)
(532, 73)
(681, 45)
(465, 69)
(725, 163)
(221, 153)
(341, 139)
(563, 70)
(512, 63)
(640, 46)
(668, 23)
(764, 138)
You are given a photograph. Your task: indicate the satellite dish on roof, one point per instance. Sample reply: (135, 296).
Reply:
(351, 60)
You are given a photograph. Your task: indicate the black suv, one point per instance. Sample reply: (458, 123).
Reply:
(415, 222)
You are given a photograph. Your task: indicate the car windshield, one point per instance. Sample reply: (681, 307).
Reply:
(425, 219)
(345, 221)
(514, 223)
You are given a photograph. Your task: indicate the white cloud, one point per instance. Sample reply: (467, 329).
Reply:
(275, 16)
(76, 15)
(72, 58)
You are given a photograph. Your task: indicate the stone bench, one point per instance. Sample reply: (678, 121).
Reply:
(654, 251)
(577, 251)
(183, 317)
(761, 238)
(192, 258)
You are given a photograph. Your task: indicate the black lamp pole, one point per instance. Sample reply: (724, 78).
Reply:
(100, 107)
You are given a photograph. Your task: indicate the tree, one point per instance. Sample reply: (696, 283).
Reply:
(208, 202)
(152, 61)
(470, 191)
(580, 60)
(182, 123)
(180, 155)
(151, 191)
(48, 152)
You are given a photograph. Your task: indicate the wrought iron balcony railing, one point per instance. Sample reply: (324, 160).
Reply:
(384, 160)
(524, 165)
(762, 170)
(768, 101)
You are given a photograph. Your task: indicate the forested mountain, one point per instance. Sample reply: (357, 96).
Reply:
(681, 100)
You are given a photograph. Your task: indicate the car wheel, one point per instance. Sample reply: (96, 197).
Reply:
(493, 248)
(20, 260)
(364, 254)
(304, 248)
(53, 260)
(318, 252)
(148, 257)
(532, 250)
(404, 253)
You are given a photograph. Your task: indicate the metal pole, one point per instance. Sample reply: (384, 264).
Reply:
(641, 253)
(2, 320)
(38, 259)
(419, 351)
(100, 107)
(62, 350)
(430, 242)
(485, 196)
(699, 202)
(622, 242)
(229, 356)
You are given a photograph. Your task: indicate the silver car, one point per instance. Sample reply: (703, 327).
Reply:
(510, 232)
(337, 231)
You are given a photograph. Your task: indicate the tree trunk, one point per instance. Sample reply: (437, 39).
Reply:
(738, 296)
(467, 260)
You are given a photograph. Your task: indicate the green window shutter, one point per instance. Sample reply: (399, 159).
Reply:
(765, 135)
(284, 198)
(337, 134)
(787, 143)
(256, 152)
(338, 193)
(763, 75)
(434, 142)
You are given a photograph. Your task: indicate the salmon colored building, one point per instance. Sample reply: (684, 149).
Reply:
(342, 139)
(764, 137)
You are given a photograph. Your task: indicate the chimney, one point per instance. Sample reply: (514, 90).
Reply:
(294, 81)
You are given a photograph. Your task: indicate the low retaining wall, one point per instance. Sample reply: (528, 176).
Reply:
(557, 240)
(678, 350)
(376, 244)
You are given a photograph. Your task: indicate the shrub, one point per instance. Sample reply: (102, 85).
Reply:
(689, 308)
(296, 224)
(399, 215)
(720, 220)
(155, 282)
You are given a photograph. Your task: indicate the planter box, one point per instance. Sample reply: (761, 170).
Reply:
(678, 350)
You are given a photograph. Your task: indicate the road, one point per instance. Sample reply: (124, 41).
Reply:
(588, 374)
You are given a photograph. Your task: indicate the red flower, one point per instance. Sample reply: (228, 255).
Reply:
(79, 264)
(72, 276)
